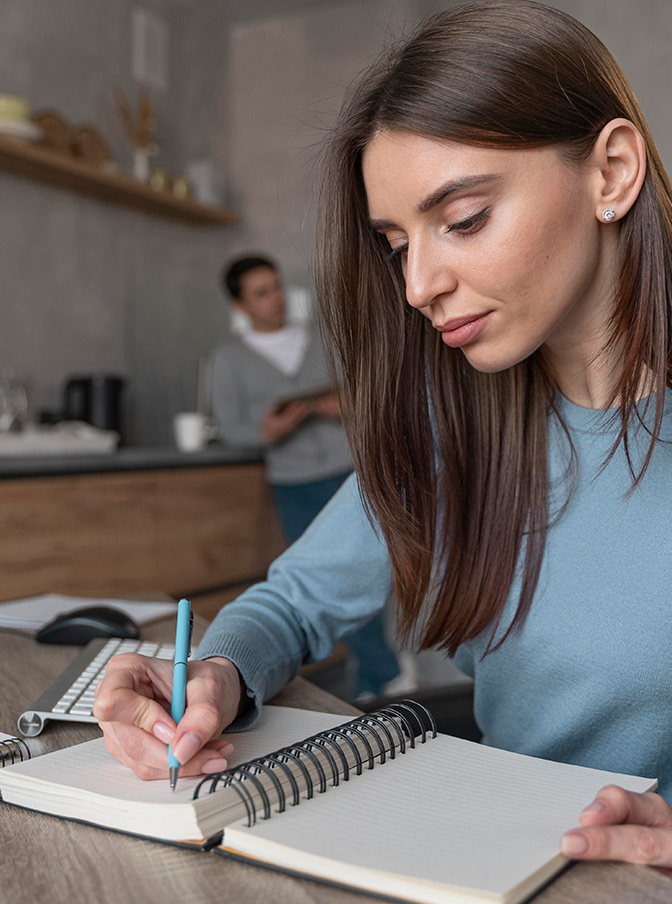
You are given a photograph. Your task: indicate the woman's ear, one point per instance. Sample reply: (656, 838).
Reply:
(619, 161)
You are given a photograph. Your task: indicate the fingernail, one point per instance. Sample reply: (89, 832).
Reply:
(226, 749)
(595, 807)
(571, 845)
(163, 732)
(217, 764)
(187, 746)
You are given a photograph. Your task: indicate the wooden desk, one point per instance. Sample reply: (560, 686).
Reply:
(47, 859)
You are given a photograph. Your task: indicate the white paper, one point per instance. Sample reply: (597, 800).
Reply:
(450, 812)
(33, 612)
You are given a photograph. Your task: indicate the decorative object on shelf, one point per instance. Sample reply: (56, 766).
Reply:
(69, 173)
(90, 147)
(14, 108)
(159, 178)
(83, 142)
(139, 127)
(56, 131)
(15, 119)
(206, 182)
(180, 186)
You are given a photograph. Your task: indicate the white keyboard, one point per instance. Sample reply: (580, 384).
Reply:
(71, 696)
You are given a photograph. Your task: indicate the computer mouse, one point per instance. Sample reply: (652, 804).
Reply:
(79, 626)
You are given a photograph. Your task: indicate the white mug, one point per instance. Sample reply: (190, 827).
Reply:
(192, 431)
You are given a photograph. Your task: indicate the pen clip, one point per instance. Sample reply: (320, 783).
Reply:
(191, 631)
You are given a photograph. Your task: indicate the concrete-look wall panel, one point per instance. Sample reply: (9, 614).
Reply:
(175, 316)
(61, 287)
(87, 286)
(287, 77)
(639, 35)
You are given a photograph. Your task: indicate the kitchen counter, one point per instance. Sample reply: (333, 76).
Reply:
(130, 458)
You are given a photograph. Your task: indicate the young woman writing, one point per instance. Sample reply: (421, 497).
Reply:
(494, 269)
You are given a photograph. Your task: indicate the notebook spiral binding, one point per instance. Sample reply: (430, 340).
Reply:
(383, 733)
(13, 750)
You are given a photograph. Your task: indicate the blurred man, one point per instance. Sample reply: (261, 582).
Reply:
(271, 388)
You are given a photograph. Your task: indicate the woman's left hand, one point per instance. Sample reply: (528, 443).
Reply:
(623, 825)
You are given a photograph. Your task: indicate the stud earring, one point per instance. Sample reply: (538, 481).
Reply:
(608, 214)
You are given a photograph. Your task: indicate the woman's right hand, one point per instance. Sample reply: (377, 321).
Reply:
(133, 708)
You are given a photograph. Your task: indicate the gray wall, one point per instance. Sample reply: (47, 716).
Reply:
(88, 286)
(287, 76)
(639, 35)
(280, 110)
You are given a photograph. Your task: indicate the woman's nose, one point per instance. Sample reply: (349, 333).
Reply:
(428, 275)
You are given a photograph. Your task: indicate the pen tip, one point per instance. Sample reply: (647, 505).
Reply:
(173, 777)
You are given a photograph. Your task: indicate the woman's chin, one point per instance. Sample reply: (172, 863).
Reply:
(487, 359)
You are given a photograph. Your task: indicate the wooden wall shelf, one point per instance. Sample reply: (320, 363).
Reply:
(34, 162)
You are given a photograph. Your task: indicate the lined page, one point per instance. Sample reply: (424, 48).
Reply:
(88, 767)
(449, 811)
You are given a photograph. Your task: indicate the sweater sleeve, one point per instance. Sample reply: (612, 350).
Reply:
(330, 582)
(230, 407)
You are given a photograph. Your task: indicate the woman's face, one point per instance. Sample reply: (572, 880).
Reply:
(501, 249)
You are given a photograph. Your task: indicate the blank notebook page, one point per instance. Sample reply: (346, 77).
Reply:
(449, 811)
(90, 768)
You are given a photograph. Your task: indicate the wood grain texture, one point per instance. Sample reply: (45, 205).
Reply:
(63, 862)
(180, 529)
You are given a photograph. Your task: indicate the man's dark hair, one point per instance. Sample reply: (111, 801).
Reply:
(233, 272)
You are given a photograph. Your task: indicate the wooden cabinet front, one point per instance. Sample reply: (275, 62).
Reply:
(182, 530)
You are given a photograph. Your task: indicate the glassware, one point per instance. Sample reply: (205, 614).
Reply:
(13, 402)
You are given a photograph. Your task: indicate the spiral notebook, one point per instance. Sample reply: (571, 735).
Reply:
(12, 750)
(381, 803)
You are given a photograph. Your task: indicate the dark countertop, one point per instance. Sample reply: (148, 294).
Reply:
(129, 458)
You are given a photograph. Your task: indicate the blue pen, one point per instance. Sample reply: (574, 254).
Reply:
(185, 621)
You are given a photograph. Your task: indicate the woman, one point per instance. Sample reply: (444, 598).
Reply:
(494, 269)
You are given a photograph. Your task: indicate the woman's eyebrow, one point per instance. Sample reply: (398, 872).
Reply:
(436, 197)
(452, 187)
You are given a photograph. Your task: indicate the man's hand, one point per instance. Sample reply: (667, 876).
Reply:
(281, 420)
(329, 406)
(133, 707)
(622, 825)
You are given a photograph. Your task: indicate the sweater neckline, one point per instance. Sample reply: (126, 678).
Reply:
(605, 420)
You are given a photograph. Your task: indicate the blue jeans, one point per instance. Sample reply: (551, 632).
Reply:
(297, 504)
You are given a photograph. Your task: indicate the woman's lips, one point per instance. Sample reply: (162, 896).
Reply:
(460, 330)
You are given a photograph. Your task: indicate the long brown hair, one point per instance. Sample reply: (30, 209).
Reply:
(452, 463)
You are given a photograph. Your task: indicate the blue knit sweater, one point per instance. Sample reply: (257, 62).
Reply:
(586, 680)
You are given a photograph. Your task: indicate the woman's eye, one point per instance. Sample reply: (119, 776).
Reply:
(467, 226)
(399, 250)
(470, 224)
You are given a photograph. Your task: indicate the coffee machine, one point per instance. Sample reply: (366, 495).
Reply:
(95, 399)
